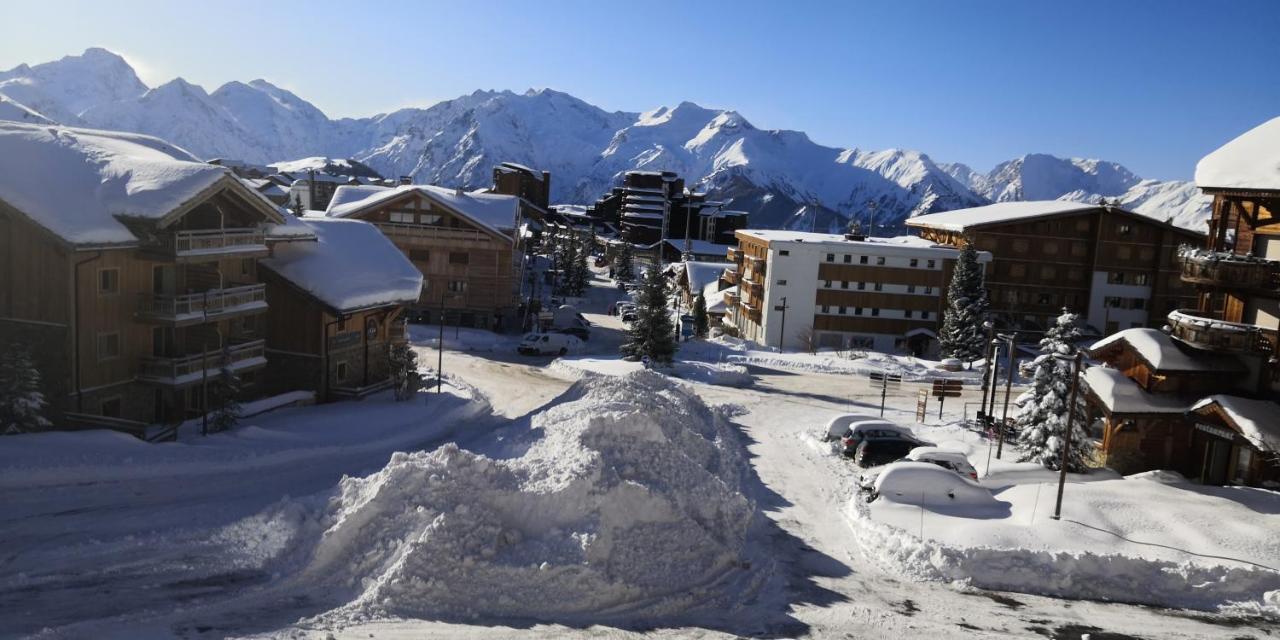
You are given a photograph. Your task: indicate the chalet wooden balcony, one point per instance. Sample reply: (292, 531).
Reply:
(192, 368)
(411, 232)
(734, 254)
(756, 288)
(211, 244)
(1201, 330)
(731, 276)
(1225, 270)
(195, 308)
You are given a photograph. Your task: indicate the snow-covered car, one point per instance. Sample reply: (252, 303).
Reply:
(629, 316)
(871, 429)
(838, 426)
(925, 484)
(538, 344)
(955, 461)
(873, 452)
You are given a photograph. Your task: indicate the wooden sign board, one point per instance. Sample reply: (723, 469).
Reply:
(922, 402)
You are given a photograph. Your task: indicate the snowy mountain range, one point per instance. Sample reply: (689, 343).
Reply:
(782, 177)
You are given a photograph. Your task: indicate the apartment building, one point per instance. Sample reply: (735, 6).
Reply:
(131, 270)
(514, 179)
(1118, 269)
(797, 289)
(649, 201)
(465, 244)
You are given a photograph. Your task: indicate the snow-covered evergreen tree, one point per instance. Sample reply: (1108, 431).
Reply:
(22, 404)
(962, 334)
(701, 323)
(652, 333)
(405, 378)
(224, 400)
(577, 272)
(296, 206)
(1041, 422)
(624, 269)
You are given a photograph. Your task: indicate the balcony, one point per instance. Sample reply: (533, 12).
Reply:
(1201, 330)
(731, 276)
(189, 369)
(755, 288)
(211, 243)
(400, 230)
(734, 254)
(194, 308)
(1228, 270)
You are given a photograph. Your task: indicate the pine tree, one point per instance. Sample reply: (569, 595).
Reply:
(652, 334)
(22, 404)
(624, 270)
(296, 206)
(700, 320)
(225, 401)
(962, 334)
(1042, 420)
(578, 272)
(405, 379)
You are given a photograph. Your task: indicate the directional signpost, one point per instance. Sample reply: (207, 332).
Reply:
(943, 389)
(884, 381)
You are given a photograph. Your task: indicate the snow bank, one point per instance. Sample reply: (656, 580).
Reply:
(1079, 574)
(725, 375)
(628, 504)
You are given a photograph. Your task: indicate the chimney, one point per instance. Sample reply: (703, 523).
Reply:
(406, 180)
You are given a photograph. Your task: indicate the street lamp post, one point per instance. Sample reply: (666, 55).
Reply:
(1066, 437)
(1012, 340)
(782, 330)
(987, 380)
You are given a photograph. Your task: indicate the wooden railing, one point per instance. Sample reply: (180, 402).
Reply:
(206, 304)
(731, 276)
(204, 241)
(172, 370)
(1230, 271)
(431, 232)
(1207, 332)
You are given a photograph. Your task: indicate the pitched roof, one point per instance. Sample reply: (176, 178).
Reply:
(350, 266)
(1250, 161)
(1257, 420)
(998, 213)
(700, 274)
(493, 211)
(1163, 353)
(76, 182)
(1119, 394)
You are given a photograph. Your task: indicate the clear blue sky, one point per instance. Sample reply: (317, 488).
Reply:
(1151, 84)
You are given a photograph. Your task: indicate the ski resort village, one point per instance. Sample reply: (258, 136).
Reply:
(515, 366)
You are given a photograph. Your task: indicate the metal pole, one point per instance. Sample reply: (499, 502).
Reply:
(782, 330)
(440, 350)
(982, 406)
(995, 376)
(884, 391)
(204, 388)
(1008, 388)
(1066, 438)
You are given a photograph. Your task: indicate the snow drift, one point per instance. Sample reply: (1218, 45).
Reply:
(627, 499)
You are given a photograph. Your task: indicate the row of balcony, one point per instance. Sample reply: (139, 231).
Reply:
(431, 232)
(203, 243)
(1201, 329)
(191, 368)
(1226, 270)
(214, 304)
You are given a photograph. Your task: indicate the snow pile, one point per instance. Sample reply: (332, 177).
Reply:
(629, 503)
(1068, 574)
(725, 375)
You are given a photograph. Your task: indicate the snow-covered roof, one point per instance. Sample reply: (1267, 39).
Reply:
(1119, 394)
(700, 274)
(702, 248)
(841, 243)
(292, 228)
(1165, 354)
(350, 266)
(1000, 212)
(1251, 161)
(74, 182)
(494, 211)
(715, 299)
(1257, 420)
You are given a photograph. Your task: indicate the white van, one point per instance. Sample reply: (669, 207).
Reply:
(538, 344)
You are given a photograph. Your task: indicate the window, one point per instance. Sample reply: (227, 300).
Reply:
(841, 310)
(915, 262)
(1124, 229)
(1079, 249)
(862, 260)
(879, 287)
(1141, 278)
(848, 258)
(924, 315)
(246, 267)
(1082, 224)
(1075, 275)
(826, 284)
(831, 257)
(1018, 270)
(826, 309)
(108, 345)
(457, 286)
(875, 312)
(931, 263)
(401, 217)
(862, 286)
(110, 407)
(1020, 245)
(911, 288)
(459, 257)
(108, 282)
(880, 261)
(782, 283)
(434, 219)
(1146, 254)
(1044, 299)
(844, 284)
(1048, 273)
(420, 255)
(1124, 253)
(906, 314)
(928, 291)
(784, 252)
(1050, 248)
(857, 311)
(1115, 277)
(1139, 304)
(342, 371)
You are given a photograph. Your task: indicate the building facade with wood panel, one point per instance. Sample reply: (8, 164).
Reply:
(466, 245)
(1117, 269)
(800, 290)
(131, 269)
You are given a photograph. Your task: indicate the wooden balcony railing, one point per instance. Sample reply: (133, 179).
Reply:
(1202, 330)
(431, 232)
(190, 368)
(1229, 271)
(207, 305)
(211, 242)
(731, 276)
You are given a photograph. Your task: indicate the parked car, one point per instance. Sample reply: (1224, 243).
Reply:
(838, 426)
(924, 484)
(538, 344)
(954, 461)
(580, 333)
(629, 316)
(871, 429)
(874, 452)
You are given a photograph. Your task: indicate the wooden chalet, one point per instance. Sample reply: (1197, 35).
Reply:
(337, 308)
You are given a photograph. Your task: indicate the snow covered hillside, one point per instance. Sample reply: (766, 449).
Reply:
(782, 177)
